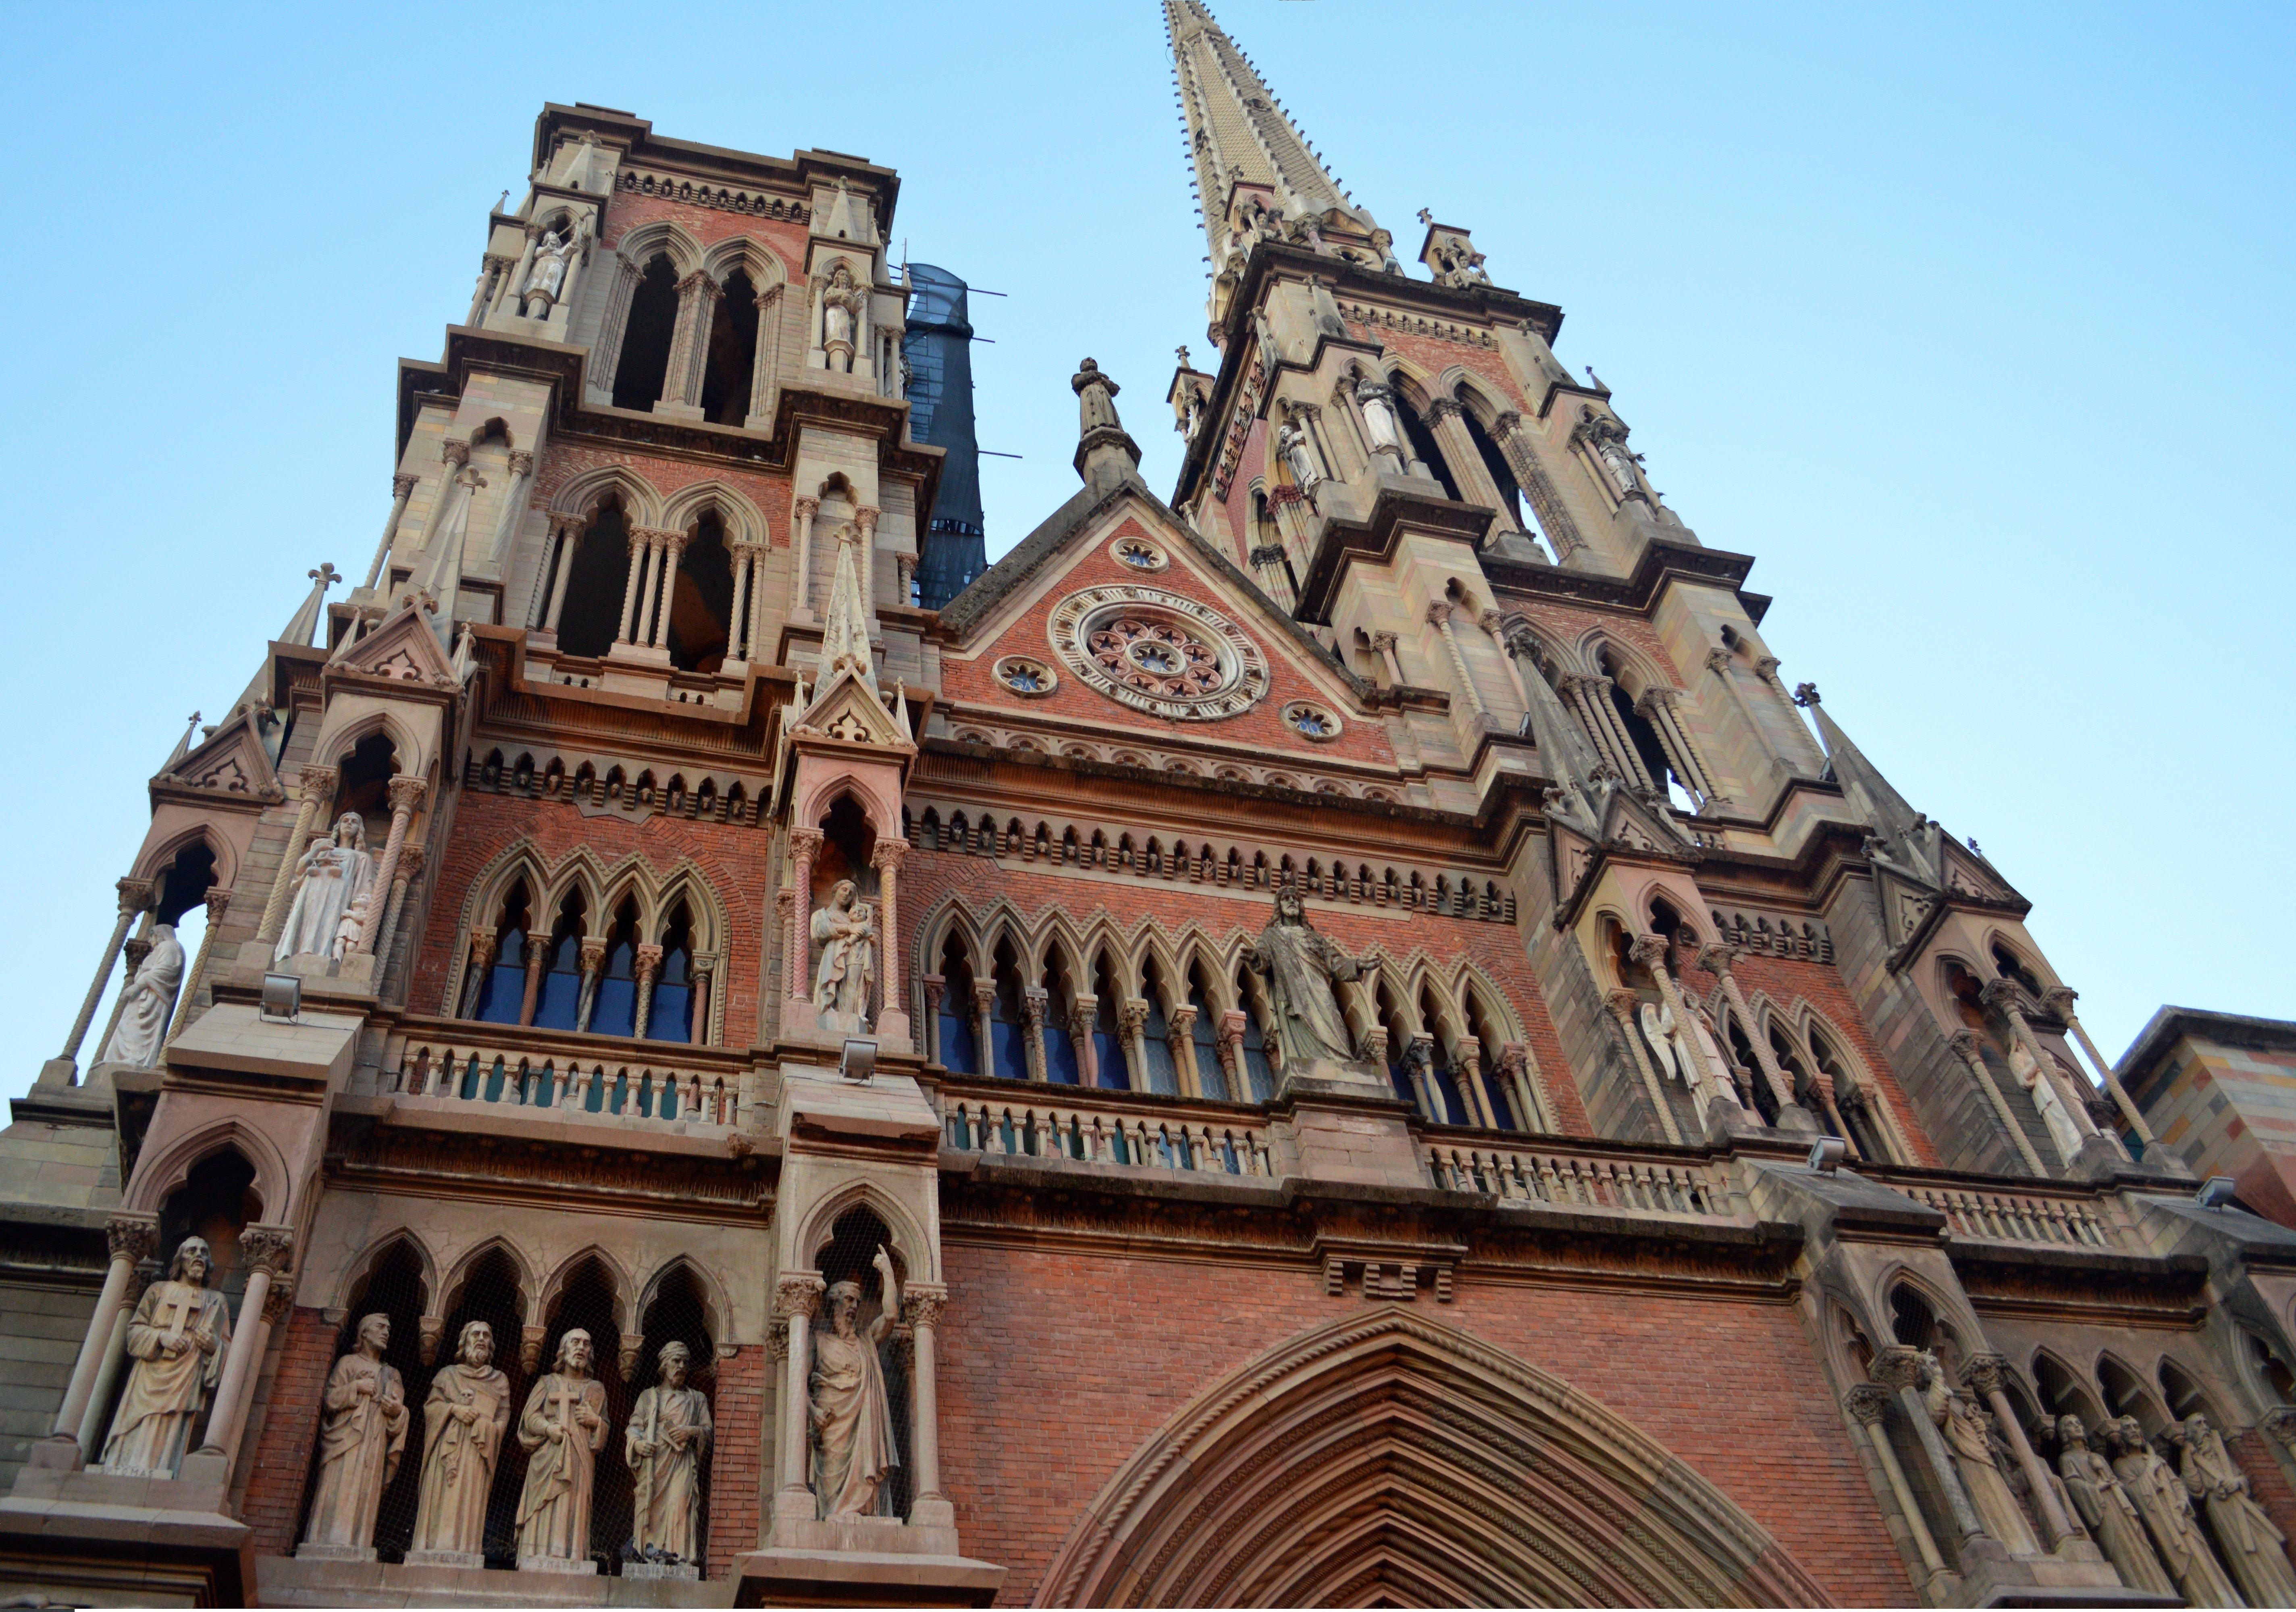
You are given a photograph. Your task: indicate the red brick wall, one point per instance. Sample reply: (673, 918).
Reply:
(735, 860)
(968, 681)
(737, 1458)
(2265, 1480)
(771, 494)
(282, 1456)
(1496, 948)
(1734, 1389)
(708, 224)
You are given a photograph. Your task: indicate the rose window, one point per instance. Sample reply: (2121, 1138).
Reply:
(1158, 652)
(1157, 658)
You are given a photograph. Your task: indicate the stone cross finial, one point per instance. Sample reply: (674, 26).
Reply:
(1805, 694)
(1426, 218)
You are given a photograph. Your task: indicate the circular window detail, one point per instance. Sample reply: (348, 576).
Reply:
(1158, 652)
(1026, 676)
(1311, 721)
(1139, 554)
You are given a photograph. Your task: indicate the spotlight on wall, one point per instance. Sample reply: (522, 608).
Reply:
(860, 1059)
(2216, 1192)
(283, 997)
(1827, 1154)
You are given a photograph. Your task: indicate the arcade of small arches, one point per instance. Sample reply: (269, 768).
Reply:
(722, 798)
(1039, 1000)
(1626, 708)
(1174, 766)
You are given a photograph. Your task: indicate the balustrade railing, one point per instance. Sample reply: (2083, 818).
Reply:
(2017, 1216)
(617, 1084)
(1577, 1179)
(1033, 1127)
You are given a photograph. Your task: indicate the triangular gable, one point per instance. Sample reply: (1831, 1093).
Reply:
(1909, 911)
(849, 711)
(1968, 878)
(229, 761)
(403, 649)
(1628, 825)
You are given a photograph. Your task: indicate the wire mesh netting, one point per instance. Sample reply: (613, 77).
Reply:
(850, 1257)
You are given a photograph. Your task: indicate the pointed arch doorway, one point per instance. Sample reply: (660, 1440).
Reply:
(1389, 1459)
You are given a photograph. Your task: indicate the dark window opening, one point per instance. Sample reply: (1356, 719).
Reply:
(1422, 446)
(592, 616)
(959, 1053)
(646, 335)
(701, 599)
(733, 353)
(1502, 474)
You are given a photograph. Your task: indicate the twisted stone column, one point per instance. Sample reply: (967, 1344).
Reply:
(2060, 1002)
(134, 897)
(1623, 1005)
(640, 553)
(594, 960)
(1716, 959)
(405, 795)
(314, 784)
(866, 517)
(1987, 1373)
(558, 552)
(539, 947)
(1902, 1371)
(647, 966)
(401, 486)
(486, 946)
(1227, 1047)
(1082, 1015)
(703, 967)
(1661, 708)
(887, 857)
(2007, 998)
(805, 845)
(934, 985)
(984, 1023)
(1438, 617)
(804, 510)
(1183, 1043)
(410, 869)
(1967, 1048)
(131, 1236)
(1034, 1002)
(1868, 1404)
(658, 608)
(218, 901)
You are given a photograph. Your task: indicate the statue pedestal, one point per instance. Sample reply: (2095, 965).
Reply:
(660, 1569)
(125, 1541)
(445, 1558)
(558, 1564)
(862, 1561)
(308, 1551)
(1346, 1129)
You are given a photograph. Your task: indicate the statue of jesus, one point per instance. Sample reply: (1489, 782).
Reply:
(1302, 966)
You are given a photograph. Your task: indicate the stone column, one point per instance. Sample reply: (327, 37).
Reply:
(801, 593)
(1082, 1013)
(650, 592)
(486, 945)
(984, 1019)
(1418, 1067)
(886, 858)
(2007, 998)
(1183, 1043)
(521, 472)
(796, 1299)
(1530, 1103)
(1658, 706)
(2060, 1002)
(405, 795)
(1623, 1005)
(314, 784)
(1652, 951)
(805, 845)
(1538, 487)
(1869, 1405)
(704, 970)
(1465, 458)
(1900, 1370)
(866, 517)
(641, 552)
(1597, 692)
(1384, 642)
(132, 1236)
(647, 966)
(1467, 1070)
(401, 487)
(1986, 1374)
(268, 1250)
(673, 549)
(218, 899)
(454, 459)
(737, 620)
(1967, 1048)
(557, 565)
(761, 362)
(134, 897)
(94, 1421)
(539, 945)
(1493, 625)
(1034, 1000)
(606, 355)
(1132, 1027)
(594, 961)
(1438, 617)
(689, 343)
(135, 948)
(934, 985)
(1717, 960)
(410, 869)
(1227, 1047)
(922, 1306)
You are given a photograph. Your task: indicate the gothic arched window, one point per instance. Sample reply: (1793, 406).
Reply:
(1258, 1074)
(1205, 1034)
(560, 999)
(614, 1002)
(1495, 464)
(1008, 1024)
(1163, 1069)
(646, 337)
(669, 1015)
(960, 1053)
(598, 574)
(733, 353)
(502, 993)
(1422, 445)
(1107, 1039)
(1061, 1066)
(702, 599)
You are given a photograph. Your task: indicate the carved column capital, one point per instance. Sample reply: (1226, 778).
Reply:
(889, 854)
(2280, 1423)
(934, 985)
(865, 517)
(132, 1236)
(406, 794)
(1183, 1020)
(1383, 642)
(984, 997)
(805, 844)
(1658, 697)
(430, 1329)
(923, 1304)
(1965, 1046)
(1900, 1366)
(2058, 1002)
(1442, 409)
(1717, 959)
(1868, 1402)
(799, 1293)
(522, 462)
(566, 527)
(456, 453)
(1515, 1059)
(806, 508)
(484, 944)
(1718, 661)
(134, 896)
(279, 1303)
(1767, 669)
(1622, 1003)
(1437, 612)
(1987, 1372)
(647, 963)
(531, 1340)
(1132, 1013)
(594, 954)
(267, 1249)
(410, 863)
(1491, 622)
(1034, 1002)
(1651, 950)
(1506, 423)
(704, 964)
(402, 485)
(1080, 1022)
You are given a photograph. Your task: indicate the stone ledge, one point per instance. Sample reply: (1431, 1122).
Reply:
(285, 1581)
(863, 1578)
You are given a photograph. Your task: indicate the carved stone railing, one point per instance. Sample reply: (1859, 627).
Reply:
(633, 1083)
(2038, 1215)
(1578, 1178)
(1048, 1122)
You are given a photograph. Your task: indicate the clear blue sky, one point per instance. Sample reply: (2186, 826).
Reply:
(1972, 323)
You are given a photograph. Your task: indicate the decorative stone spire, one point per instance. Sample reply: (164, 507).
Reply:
(302, 630)
(1105, 453)
(845, 636)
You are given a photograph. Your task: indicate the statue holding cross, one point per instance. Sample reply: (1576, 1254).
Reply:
(177, 1338)
(562, 1430)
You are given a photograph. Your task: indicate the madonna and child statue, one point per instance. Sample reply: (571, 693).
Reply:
(1304, 969)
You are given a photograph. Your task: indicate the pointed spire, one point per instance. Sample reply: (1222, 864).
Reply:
(182, 746)
(1887, 811)
(1237, 130)
(845, 636)
(303, 626)
(440, 582)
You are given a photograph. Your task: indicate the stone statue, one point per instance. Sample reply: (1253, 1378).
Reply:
(545, 276)
(851, 1414)
(147, 1001)
(2112, 1517)
(840, 984)
(177, 1338)
(2163, 1502)
(335, 872)
(361, 1438)
(463, 1424)
(1302, 968)
(2054, 1113)
(1095, 400)
(562, 1430)
(1291, 443)
(840, 314)
(1380, 422)
(666, 1445)
(1989, 1494)
(1657, 1020)
(2253, 1548)
(1701, 1052)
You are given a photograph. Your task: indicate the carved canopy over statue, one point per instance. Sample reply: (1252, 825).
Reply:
(1302, 968)
(146, 1003)
(177, 1338)
(334, 876)
(844, 930)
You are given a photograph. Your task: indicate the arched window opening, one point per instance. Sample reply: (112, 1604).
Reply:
(559, 1002)
(1913, 1318)
(364, 787)
(2064, 1395)
(216, 1203)
(1441, 1074)
(1484, 1027)
(393, 1289)
(2013, 967)
(1646, 743)
(669, 1015)
(1422, 443)
(1741, 1055)
(1259, 1071)
(733, 353)
(1060, 1065)
(598, 576)
(1008, 1025)
(614, 1000)
(2124, 1392)
(1501, 472)
(1160, 1066)
(1107, 1039)
(646, 335)
(850, 1257)
(847, 841)
(2184, 1395)
(1205, 1034)
(586, 1303)
(1398, 1044)
(2273, 1369)
(502, 991)
(1851, 1100)
(490, 1295)
(702, 599)
(959, 1053)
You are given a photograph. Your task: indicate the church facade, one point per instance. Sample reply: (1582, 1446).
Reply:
(1335, 1034)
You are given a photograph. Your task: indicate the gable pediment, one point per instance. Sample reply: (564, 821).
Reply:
(231, 762)
(404, 649)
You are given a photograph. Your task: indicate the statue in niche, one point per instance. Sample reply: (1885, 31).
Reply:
(463, 1423)
(1096, 399)
(333, 874)
(545, 276)
(2104, 1505)
(2253, 1548)
(2054, 1113)
(666, 1445)
(1658, 1026)
(1701, 1050)
(1380, 422)
(840, 315)
(1298, 455)
(1303, 968)
(361, 1439)
(177, 1338)
(1957, 1419)
(147, 1001)
(844, 931)
(561, 1431)
(2165, 1505)
(851, 1414)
